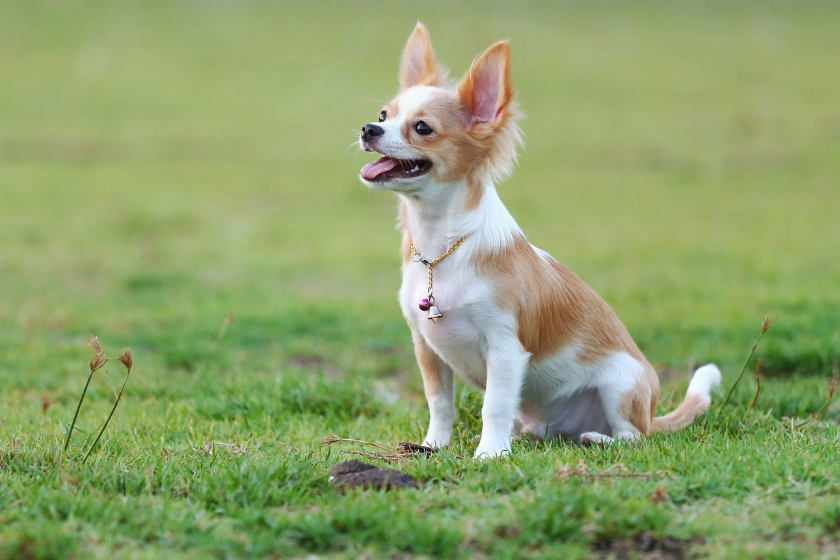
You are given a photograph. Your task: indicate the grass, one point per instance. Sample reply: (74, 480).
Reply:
(163, 164)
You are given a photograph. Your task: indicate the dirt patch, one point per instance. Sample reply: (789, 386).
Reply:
(643, 546)
(313, 362)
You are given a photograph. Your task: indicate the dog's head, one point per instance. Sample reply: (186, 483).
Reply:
(431, 133)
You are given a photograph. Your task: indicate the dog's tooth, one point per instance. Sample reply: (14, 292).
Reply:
(414, 169)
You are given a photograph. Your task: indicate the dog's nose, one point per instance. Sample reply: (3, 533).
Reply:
(371, 131)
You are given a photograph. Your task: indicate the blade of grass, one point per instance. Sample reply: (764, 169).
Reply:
(128, 421)
(329, 440)
(757, 383)
(214, 347)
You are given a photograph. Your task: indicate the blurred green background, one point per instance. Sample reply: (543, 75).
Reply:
(164, 163)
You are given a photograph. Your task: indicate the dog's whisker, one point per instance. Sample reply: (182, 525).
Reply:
(377, 88)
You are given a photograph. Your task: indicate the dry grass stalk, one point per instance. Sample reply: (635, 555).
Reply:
(208, 447)
(832, 387)
(96, 362)
(768, 320)
(125, 359)
(582, 471)
(329, 440)
(398, 457)
(222, 332)
(403, 452)
(232, 446)
(757, 382)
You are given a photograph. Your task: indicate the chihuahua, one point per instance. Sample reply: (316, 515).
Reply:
(550, 355)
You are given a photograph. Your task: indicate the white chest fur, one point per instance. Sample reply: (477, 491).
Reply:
(461, 297)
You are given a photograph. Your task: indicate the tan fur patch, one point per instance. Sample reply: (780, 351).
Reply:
(402, 225)
(639, 415)
(475, 190)
(405, 249)
(683, 415)
(431, 366)
(554, 307)
(654, 399)
(392, 109)
(638, 405)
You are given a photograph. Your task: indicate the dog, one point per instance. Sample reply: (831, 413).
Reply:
(549, 354)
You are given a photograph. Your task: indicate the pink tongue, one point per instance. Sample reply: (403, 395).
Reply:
(378, 167)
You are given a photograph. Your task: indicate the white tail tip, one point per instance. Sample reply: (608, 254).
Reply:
(705, 379)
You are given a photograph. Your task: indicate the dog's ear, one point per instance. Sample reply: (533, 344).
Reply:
(418, 67)
(485, 91)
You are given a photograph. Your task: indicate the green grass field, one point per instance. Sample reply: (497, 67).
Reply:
(164, 164)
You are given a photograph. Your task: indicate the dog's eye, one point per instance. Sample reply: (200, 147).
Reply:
(382, 116)
(423, 129)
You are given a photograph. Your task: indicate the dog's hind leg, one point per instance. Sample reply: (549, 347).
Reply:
(628, 400)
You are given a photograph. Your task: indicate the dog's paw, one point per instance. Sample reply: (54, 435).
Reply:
(491, 450)
(435, 442)
(593, 438)
(438, 435)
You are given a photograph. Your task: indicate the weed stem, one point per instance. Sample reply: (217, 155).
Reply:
(98, 361)
(832, 386)
(764, 326)
(127, 363)
(75, 416)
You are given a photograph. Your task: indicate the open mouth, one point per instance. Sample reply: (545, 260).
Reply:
(389, 169)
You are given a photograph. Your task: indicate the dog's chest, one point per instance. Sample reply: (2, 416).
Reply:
(456, 336)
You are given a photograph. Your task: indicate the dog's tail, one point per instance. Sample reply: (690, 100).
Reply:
(696, 402)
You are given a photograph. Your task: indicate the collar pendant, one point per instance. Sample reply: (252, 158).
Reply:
(428, 304)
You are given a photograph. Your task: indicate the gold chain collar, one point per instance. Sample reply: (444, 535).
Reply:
(428, 304)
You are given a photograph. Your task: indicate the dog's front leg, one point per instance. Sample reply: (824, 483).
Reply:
(507, 362)
(439, 386)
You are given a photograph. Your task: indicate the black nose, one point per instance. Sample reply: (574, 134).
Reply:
(371, 131)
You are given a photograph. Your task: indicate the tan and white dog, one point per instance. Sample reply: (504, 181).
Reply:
(550, 355)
